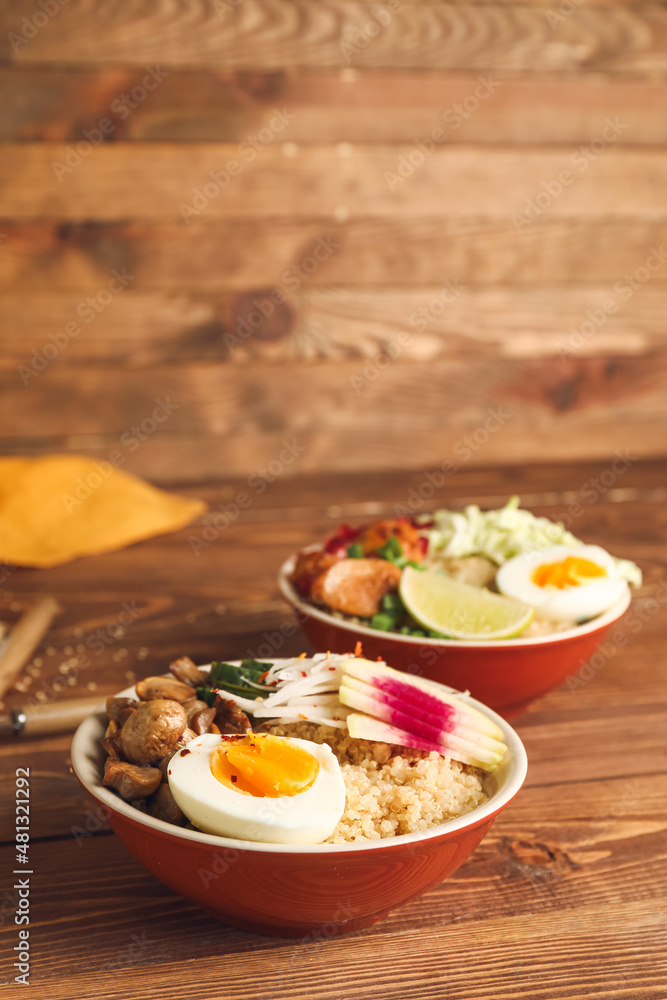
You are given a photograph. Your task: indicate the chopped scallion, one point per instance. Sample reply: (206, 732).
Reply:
(383, 621)
(391, 550)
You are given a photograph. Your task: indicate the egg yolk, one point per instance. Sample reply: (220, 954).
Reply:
(263, 765)
(570, 572)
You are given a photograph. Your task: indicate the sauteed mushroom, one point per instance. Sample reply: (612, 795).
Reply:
(153, 730)
(115, 707)
(131, 782)
(111, 741)
(193, 706)
(163, 806)
(201, 721)
(142, 736)
(186, 671)
(163, 687)
(229, 718)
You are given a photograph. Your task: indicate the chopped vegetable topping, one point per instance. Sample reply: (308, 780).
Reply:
(391, 550)
(502, 534)
(246, 680)
(334, 690)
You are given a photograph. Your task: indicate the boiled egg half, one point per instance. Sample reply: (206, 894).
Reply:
(259, 787)
(563, 583)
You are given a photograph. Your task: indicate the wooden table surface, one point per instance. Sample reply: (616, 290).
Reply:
(564, 899)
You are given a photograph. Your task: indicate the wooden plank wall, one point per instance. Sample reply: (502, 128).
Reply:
(391, 234)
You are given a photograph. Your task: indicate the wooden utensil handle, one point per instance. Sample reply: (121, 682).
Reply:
(24, 637)
(58, 716)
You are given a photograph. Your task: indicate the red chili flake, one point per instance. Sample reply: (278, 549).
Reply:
(303, 673)
(265, 674)
(185, 752)
(234, 778)
(331, 668)
(302, 716)
(335, 718)
(168, 772)
(358, 650)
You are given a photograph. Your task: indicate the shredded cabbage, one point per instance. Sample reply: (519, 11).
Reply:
(502, 534)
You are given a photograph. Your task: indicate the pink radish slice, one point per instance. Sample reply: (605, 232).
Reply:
(362, 727)
(449, 743)
(406, 716)
(419, 693)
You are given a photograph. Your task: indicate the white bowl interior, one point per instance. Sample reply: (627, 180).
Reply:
(88, 763)
(294, 598)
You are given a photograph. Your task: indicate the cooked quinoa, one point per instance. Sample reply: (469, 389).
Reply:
(392, 790)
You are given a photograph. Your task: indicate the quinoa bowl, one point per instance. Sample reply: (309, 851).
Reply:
(318, 889)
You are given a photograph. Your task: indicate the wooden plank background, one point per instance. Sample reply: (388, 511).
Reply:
(476, 281)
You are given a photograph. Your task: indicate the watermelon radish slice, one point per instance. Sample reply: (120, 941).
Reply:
(410, 727)
(411, 712)
(419, 693)
(366, 698)
(362, 727)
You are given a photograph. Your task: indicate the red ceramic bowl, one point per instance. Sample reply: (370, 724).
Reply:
(505, 674)
(296, 891)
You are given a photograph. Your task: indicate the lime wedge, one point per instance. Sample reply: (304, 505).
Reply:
(458, 610)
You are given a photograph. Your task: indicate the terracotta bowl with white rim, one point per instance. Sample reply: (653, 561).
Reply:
(311, 891)
(505, 674)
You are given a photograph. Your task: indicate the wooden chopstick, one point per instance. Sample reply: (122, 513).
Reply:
(24, 638)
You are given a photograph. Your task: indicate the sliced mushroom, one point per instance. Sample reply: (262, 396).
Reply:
(131, 782)
(163, 687)
(164, 763)
(193, 706)
(188, 734)
(186, 671)
(229, 718)
(126, 713)
(153, 730)
(113, 727)
(117, 706)
(111, 741)
(163, 806)
(200, 723)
